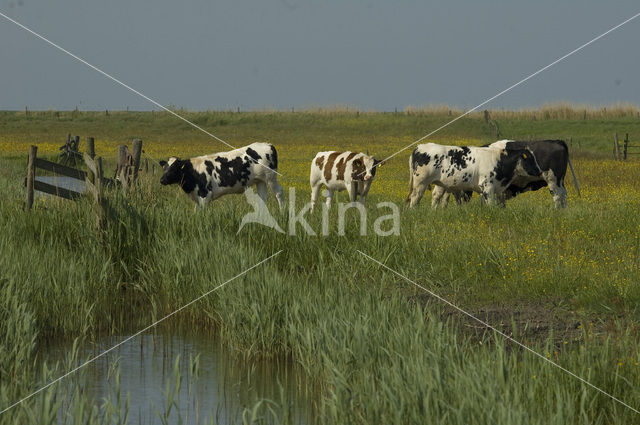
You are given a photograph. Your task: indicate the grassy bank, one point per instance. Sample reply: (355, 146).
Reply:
(377, 349)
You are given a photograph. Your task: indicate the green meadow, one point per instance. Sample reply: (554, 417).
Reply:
(373, 347)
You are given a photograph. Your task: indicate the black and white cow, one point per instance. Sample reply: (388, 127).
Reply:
(552, 157)
(352, 171)
(486, 170)
(205, 178)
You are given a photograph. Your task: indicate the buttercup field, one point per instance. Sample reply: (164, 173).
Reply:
(321, 333)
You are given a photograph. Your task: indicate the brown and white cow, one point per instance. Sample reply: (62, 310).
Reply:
(352, 171)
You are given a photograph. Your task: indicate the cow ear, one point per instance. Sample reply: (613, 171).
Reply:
(381, 163)
(163, 163)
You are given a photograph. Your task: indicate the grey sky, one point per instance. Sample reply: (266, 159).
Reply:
(371, 54)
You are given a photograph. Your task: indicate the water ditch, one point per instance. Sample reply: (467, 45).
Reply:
(209, 384)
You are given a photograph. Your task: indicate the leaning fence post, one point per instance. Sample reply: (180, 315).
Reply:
(31, 175)
(99, 178)
(137, 150)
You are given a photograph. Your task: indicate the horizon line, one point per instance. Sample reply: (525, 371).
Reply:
(341, 108)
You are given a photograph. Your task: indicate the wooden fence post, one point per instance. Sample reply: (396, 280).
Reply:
(91, 151)
(122, 156)
(99, 178)
(91, 148)
(121, 167)
(625, 146)
(99, 206)
(31, 175)
(137, 151)
(616, 148)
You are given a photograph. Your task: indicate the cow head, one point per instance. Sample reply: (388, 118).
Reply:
(367, 167)
(516, 163)
(174, 170)
(527, 166)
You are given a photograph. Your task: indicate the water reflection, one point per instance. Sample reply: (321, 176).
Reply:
(208, 382)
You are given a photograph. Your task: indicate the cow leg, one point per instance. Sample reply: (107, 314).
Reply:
(363, 189)
(444, 200)
(353, 191)
(315, 190)
(201, 203)
(416, 193)
(462, 196)
(277, 189)
(488, 196)
(563, 198)
(485, 198)
(436, 196)
(458, 196)
(329, 198)
(559, 194)
(562, 195)
(262, 191)
(501, 199)
(556, 188)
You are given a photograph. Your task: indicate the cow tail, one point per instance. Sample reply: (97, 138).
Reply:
(274, 159)
(575, 179)
(410, 180)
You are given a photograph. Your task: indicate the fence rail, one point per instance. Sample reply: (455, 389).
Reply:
(56, 190)
(93, 185)
(59, 169)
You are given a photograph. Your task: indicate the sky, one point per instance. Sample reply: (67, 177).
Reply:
(367, 54)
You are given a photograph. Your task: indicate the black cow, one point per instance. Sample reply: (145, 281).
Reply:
(553, 158)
